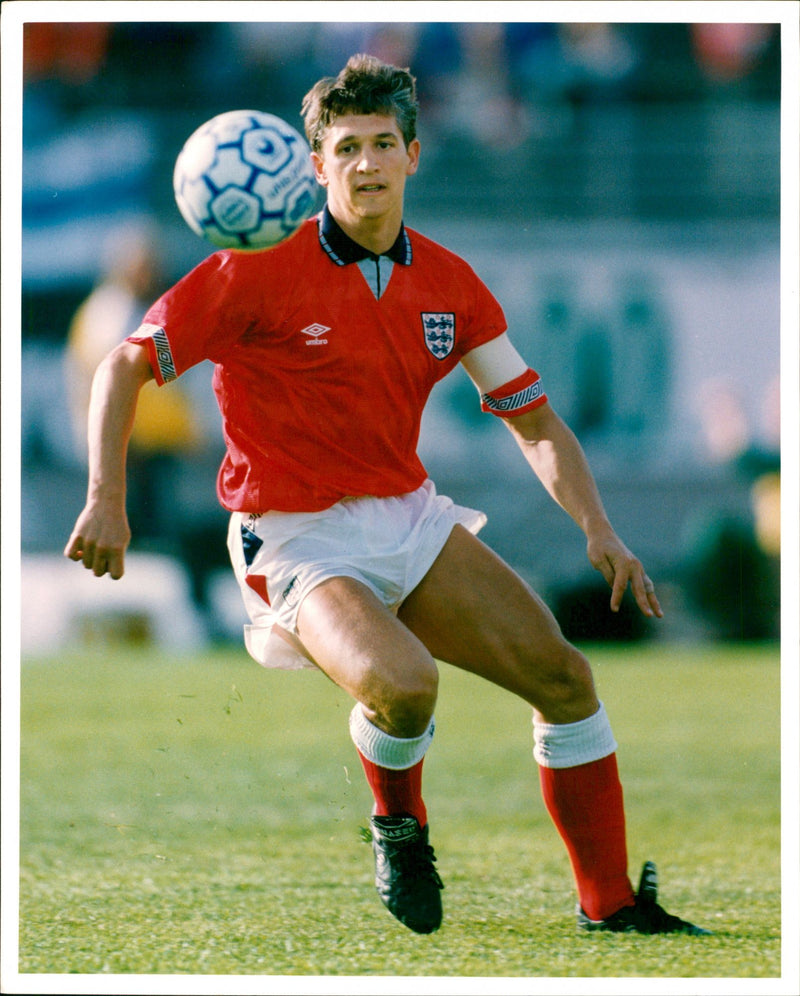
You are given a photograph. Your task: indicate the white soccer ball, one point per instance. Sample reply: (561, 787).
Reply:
(244, 180)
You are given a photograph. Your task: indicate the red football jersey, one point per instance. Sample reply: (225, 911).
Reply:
(320, 383)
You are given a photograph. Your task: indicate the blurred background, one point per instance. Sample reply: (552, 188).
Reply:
(617, 186)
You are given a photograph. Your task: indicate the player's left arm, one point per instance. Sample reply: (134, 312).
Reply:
(557, 458)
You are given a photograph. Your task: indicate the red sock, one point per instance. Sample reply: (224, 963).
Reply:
(585, 803)
(396, 793)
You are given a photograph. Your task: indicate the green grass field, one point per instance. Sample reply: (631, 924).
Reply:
(203, 817)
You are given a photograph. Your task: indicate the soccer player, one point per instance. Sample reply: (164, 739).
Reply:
(325, 350)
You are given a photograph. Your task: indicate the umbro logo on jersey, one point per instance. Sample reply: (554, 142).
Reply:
(315, 333)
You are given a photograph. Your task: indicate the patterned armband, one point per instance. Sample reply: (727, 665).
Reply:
(159, 350)
(518, 396)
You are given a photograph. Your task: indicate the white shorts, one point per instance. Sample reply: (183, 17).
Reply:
(388, 544)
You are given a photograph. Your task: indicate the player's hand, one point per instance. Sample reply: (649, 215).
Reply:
(99, 540)
(609, 555)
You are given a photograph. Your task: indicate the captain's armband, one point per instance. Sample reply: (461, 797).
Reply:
(518, 396)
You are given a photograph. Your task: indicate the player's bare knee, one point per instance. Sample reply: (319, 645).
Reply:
(407, 709)
(567, 693)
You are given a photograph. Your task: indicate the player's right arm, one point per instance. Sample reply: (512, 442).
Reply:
(101, 534)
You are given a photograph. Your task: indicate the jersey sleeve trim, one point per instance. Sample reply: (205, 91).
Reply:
(494, 362)
(159, 352)
(520, 395)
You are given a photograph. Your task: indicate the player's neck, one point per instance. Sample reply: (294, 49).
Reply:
(377, 235)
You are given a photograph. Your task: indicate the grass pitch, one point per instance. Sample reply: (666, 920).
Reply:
(202, 817)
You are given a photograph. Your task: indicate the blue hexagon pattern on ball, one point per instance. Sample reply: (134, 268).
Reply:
(244, 180)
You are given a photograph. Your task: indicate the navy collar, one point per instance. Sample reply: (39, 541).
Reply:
(343, 250)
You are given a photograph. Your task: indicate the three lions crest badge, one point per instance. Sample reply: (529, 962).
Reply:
(440, 332)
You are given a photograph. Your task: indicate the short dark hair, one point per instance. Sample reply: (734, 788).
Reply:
(365, 86)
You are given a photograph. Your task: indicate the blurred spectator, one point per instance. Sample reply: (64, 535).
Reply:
(538, 70)
(484, 105)
(730, 438)
(762, 461)
(61, 65)
(600, 58)
(265, 64)
(732, 571)
(728, 53)
(169, 427)
(165, 426)
(725, 432)
(766, 500)
(71, 52)
(396, 42)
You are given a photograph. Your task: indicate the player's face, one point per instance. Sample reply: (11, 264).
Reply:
(363, 165)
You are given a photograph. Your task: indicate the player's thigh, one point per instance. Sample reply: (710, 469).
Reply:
(472, 610)
(364, 649)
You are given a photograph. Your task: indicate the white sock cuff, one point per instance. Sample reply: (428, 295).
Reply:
(382, 749)
(570, 744)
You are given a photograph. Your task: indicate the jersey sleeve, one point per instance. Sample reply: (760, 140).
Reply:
(199, 318)
(485, 317)
(493, 363)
